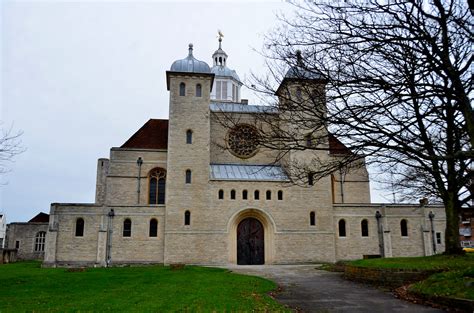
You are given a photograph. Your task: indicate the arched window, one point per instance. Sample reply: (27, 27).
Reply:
(342, 228)
(364, 228)
(244, 194)
(79, 227)
(189, 136)
(256, 195)
(157, 186)
(312, 218)
(40, 240)
(269, 195)
(232, 194)
(188, 176)
(198, 90)
(182, 89)
(280, 195)
(187, 218)
(127, 228)
(153, 232)
(221, 194)
(404, 227)
(311, 179)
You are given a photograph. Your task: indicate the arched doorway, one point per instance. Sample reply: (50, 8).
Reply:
(250, 242)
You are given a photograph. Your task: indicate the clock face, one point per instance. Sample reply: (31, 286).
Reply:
(242, 141)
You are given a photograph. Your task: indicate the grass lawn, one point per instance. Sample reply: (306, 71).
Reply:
(456, 280)
(436, 262)
(27, 287)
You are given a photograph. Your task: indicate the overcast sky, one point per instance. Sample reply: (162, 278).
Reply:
(81, 77)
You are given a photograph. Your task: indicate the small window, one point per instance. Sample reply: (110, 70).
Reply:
(182, 89)
(298, 94)
(308, 140)
(280, 195)
(153, 232)
(342, 228)
(269, 195)
(198, 90)
(438, 238)
(312, 218)
(187, 218)
(256, 195)
(404, 228)
(244, 194)
(311, 179)
(189, 136)
(221, 194)
(17, 244)
(364, 228)
(232, 194)
(79, 227)
(40, 240)
(127, 228)
(188, 176)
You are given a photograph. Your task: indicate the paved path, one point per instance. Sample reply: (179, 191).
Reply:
(312, 290)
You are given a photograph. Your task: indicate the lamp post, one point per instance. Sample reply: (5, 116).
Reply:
(378, 216)
(139, 163)
(431, 215)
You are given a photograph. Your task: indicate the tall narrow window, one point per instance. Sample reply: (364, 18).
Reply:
(311, 179)
(256, 195)
(187, 218)
(404, 228)
(224, 90)
(153, 232)
(438, 238)
(364, 228)
(244, 194)
(308, 140)
(269, 195)
(218, 90)
(182, 89)
(127, 228)
(79, 227)
(157, 186)
(342, 228)
(198, 90)
(189, 136)
(221, 194)
(17, 244)
(188, 176)
(298, 94)
(40, 239)
(232, 194)
(312, 218)
(280, 195)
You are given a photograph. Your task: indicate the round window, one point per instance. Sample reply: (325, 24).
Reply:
(243, 141)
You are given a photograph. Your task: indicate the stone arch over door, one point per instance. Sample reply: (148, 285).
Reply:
(268, 229)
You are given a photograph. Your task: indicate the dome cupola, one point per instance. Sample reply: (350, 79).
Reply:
(227, 83)
(190, 64)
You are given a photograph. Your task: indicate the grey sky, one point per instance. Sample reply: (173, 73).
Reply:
(81, 77)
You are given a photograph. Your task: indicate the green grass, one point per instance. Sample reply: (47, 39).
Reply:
(453, 284)
(437, 262)
(27, 287)
(456, 280)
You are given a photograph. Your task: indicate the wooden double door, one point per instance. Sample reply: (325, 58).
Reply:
(250, 242)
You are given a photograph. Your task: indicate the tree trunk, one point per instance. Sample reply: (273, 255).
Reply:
(453, 245)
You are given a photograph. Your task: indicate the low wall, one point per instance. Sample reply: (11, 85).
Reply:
(386, 277)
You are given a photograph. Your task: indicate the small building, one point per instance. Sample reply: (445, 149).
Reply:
(466, 228)
(28, 238)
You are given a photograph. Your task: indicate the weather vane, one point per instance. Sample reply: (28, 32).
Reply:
(219, 34)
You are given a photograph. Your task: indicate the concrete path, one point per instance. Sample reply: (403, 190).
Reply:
(311, 290)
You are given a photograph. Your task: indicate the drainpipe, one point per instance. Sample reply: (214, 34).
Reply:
(108, 252)
(342, 185)
(431, 216)
(139, 163)
(378, 216)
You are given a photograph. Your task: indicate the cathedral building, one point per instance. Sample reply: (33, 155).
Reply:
(172, 194)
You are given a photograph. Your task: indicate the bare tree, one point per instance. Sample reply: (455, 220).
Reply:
(390, 79)
(10, 146)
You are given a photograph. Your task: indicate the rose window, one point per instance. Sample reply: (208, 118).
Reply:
(243, 141)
